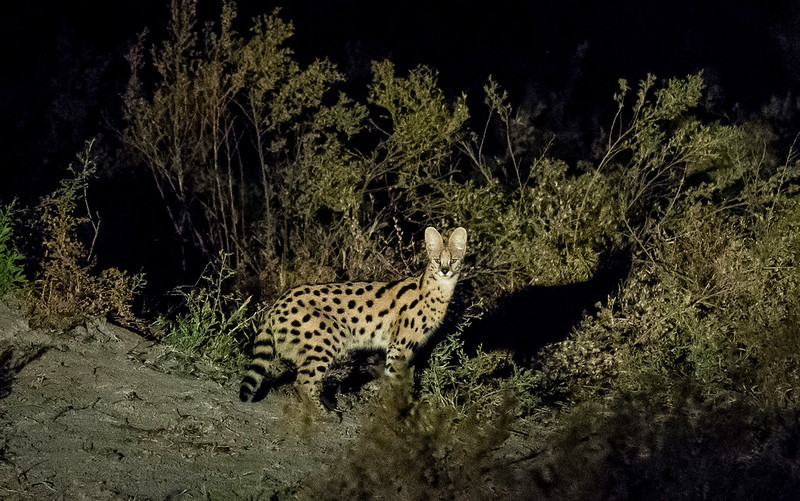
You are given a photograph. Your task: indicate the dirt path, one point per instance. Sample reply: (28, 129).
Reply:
(101, 413)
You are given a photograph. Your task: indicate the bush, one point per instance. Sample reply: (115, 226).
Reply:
(667, 442)
(533, 220)
(257, 157)
(439, 442)
(713, 291)
(411, 449)
(65, 292)
(11, 271)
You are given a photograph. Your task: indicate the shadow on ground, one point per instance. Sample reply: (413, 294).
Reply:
(12, 360)
(527, 320)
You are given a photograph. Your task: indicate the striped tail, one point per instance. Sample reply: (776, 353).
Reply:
(263, 354)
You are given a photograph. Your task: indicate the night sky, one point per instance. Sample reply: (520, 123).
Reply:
(751, 50)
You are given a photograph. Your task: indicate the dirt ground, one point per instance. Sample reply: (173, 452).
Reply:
(101, 413)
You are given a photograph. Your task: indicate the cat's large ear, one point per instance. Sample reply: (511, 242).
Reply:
(433, 242)
(458, 243)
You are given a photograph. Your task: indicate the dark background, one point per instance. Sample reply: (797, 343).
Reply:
(64, 70)
(749, 51)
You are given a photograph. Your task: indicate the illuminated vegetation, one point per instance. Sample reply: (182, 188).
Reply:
(684, 380)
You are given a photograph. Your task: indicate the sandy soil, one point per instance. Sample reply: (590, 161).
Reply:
(101, 413)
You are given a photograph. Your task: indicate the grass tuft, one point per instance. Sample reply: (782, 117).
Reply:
(12, 275)
(213, 325)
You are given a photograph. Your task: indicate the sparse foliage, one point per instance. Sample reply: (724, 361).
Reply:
(228, 112)
(67, 292)
(213, 324)
(536, 221)
(475, 385)
(714, 287)
(11, 271)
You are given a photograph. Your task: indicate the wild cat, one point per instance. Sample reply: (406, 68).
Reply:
(311, 325)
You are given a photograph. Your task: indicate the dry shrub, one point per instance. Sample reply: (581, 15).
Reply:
(67, 291)
(713, 292)
(410, 449)
(667, 442)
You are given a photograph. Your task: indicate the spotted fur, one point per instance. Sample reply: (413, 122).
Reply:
(312, 325)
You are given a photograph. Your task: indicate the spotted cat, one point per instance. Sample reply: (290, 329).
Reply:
(311, 325)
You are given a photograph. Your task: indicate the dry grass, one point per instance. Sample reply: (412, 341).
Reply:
(68, 291)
